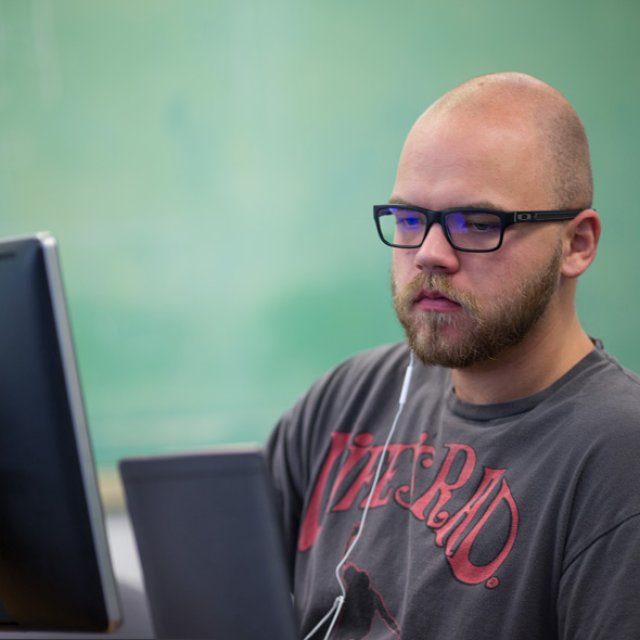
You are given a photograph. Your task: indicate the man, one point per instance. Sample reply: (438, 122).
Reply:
(506, 503)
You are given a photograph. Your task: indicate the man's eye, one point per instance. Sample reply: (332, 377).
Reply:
(483, 227)
(480, 224)
(409, 222)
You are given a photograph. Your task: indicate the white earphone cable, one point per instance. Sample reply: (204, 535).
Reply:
(338, 603)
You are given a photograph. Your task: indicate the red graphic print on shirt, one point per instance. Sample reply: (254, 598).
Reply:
(435, 479)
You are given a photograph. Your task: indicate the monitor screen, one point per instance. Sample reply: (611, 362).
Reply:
(55, 571)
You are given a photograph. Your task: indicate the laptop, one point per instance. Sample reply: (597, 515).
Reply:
(55, 570)
(210, 545)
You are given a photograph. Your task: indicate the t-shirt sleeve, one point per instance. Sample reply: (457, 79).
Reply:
(599, 588)
(599, 596)
(283, 459)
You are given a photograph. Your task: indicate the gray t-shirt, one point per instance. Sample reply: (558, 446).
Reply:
(517, 521)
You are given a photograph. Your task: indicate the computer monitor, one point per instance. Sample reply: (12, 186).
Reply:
(210, 542)
(55, 570)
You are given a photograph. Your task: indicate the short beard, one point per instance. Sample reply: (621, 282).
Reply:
(489, 333)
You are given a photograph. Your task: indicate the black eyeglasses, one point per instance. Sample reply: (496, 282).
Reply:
(466, 228)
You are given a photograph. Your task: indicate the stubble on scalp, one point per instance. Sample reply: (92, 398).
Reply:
(564, 145)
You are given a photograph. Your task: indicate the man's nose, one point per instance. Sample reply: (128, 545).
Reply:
(436, 252)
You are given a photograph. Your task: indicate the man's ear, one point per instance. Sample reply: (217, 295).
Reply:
(581, 237)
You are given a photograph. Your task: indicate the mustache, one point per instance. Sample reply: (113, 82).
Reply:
(434, 282)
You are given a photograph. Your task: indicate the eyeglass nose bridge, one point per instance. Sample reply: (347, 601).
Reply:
(436, 217)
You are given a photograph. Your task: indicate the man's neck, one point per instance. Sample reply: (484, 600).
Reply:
(533, 365)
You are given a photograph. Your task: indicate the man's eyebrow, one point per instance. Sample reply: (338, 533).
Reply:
(478, 204)
(398, 200)
(486, 204)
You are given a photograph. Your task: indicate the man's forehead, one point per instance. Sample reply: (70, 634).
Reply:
(454, 141)
(467, 149)
(472, 163)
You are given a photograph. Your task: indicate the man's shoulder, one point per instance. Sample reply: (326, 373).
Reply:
(389, 355)
(369, 376)
(366, 381)
(605, 384)
(378, 361)
(601, 416)
(623, 376)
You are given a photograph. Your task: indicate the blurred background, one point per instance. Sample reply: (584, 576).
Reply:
(208, 168)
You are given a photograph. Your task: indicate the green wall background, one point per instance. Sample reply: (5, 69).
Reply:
(209, 168)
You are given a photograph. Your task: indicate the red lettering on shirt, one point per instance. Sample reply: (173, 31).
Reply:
(353, 460)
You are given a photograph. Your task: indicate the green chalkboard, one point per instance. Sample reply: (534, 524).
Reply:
(209, 168)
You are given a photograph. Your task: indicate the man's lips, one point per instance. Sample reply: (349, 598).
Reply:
(432, 300)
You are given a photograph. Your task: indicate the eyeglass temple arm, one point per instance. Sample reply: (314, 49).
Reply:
(545, 216)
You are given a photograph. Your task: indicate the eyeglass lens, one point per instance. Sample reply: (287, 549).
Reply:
(467, 230)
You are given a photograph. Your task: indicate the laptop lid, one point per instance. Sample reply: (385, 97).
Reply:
(210, 545)
(55, 571)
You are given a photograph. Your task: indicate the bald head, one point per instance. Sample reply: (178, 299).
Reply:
(523, 103)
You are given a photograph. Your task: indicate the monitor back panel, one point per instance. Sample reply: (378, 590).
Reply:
(210, 546)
